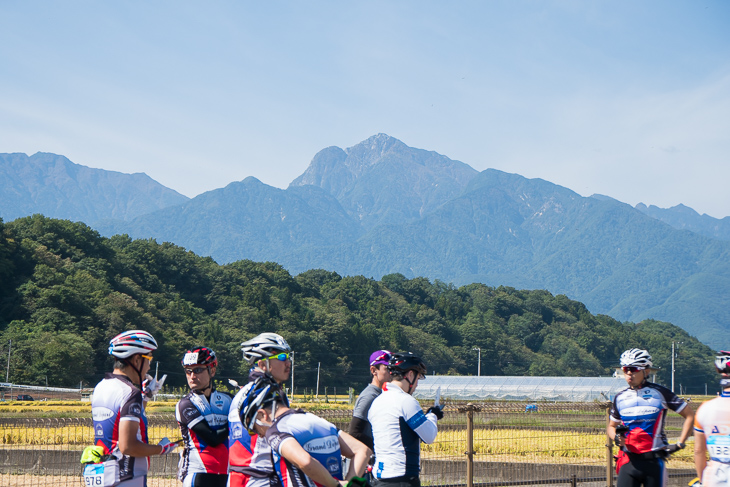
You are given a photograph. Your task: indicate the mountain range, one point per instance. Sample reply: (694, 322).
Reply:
(382, 207)
(58, 188)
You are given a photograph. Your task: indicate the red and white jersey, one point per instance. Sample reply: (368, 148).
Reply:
(250, 456)
(197, 456)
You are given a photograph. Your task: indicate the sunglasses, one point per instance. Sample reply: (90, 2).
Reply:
(196, 370)
(632, 369)
(281, 356)
(148, 357)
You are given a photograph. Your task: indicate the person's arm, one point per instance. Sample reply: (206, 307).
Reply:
(293, 451)
(689, 415)
(358, 430)
(611, 431)
(356, 451)
(130, 445)
(209, 435)
(424, 425)
(700, 453)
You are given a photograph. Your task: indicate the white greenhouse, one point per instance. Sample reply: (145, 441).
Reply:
(473, 388)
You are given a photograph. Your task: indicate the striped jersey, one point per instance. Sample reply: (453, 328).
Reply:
(197, 456)
(644, 411)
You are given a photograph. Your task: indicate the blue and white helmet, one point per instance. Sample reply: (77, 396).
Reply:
(258, 394)
(636, 357)
(131, 343)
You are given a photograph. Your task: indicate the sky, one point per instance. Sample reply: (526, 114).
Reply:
(622, 98)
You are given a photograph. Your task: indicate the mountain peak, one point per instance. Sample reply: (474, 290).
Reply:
(371, 151)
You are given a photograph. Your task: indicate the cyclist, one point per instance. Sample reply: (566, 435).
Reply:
(314, 457)
(269, 355)
(203, 418)
(360, 428)
(399, 425)
(642, 408)
(712, 431)
(117, 408)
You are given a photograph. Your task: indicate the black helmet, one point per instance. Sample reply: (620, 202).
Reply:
(402, 362)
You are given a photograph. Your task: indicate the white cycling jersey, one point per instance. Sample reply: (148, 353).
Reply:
(713, 419)
(399, 425)
(116, 399)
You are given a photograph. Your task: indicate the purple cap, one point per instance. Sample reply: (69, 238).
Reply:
(379, 357)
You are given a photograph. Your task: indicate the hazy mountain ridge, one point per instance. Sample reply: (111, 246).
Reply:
(56, 187)
(381, 180)
(685, 218)
(248, 217)
(382, 207)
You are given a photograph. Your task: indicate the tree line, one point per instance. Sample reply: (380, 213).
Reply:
(65, 291)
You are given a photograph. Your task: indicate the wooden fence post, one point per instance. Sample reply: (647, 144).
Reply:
(470, 446)
(609, 451)
(469, 409)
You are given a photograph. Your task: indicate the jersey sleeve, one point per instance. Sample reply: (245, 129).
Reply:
(423, 425)
(613, 412)
(674, 402)
(275, 438)
(132, 409)
(187, 414)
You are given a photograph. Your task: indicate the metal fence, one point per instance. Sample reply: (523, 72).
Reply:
(482, 445)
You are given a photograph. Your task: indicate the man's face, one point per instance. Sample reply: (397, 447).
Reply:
(278, 369)
(415, 377)
(264, 417)
(381, 373)
(635, 376)
(199, 376)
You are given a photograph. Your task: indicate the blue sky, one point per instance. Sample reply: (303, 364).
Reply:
(624, 98)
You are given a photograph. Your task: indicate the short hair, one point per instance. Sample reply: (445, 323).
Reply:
(120, 364)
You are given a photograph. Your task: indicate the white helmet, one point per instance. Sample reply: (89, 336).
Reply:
(263, 346)
(131, 343)
(722, 362)
(636, 357)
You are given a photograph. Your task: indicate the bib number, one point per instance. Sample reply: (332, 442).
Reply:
(101, 474)
(719, 447)
(94, 475)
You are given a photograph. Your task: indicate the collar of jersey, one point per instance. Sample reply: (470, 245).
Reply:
(389, 386)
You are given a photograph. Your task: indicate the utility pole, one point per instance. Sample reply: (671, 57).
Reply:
(479, 360)
(7, 374)
(317, 394)
(672, 366)
(292, 376)
(678, 344)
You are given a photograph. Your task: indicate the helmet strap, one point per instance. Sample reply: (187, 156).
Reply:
(139, 371)
(410, 384)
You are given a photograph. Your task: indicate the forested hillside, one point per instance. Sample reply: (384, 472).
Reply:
(65, 291)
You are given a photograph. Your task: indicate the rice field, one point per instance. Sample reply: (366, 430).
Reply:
(538, 446)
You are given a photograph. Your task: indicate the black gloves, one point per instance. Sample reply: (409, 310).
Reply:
(437, 411)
